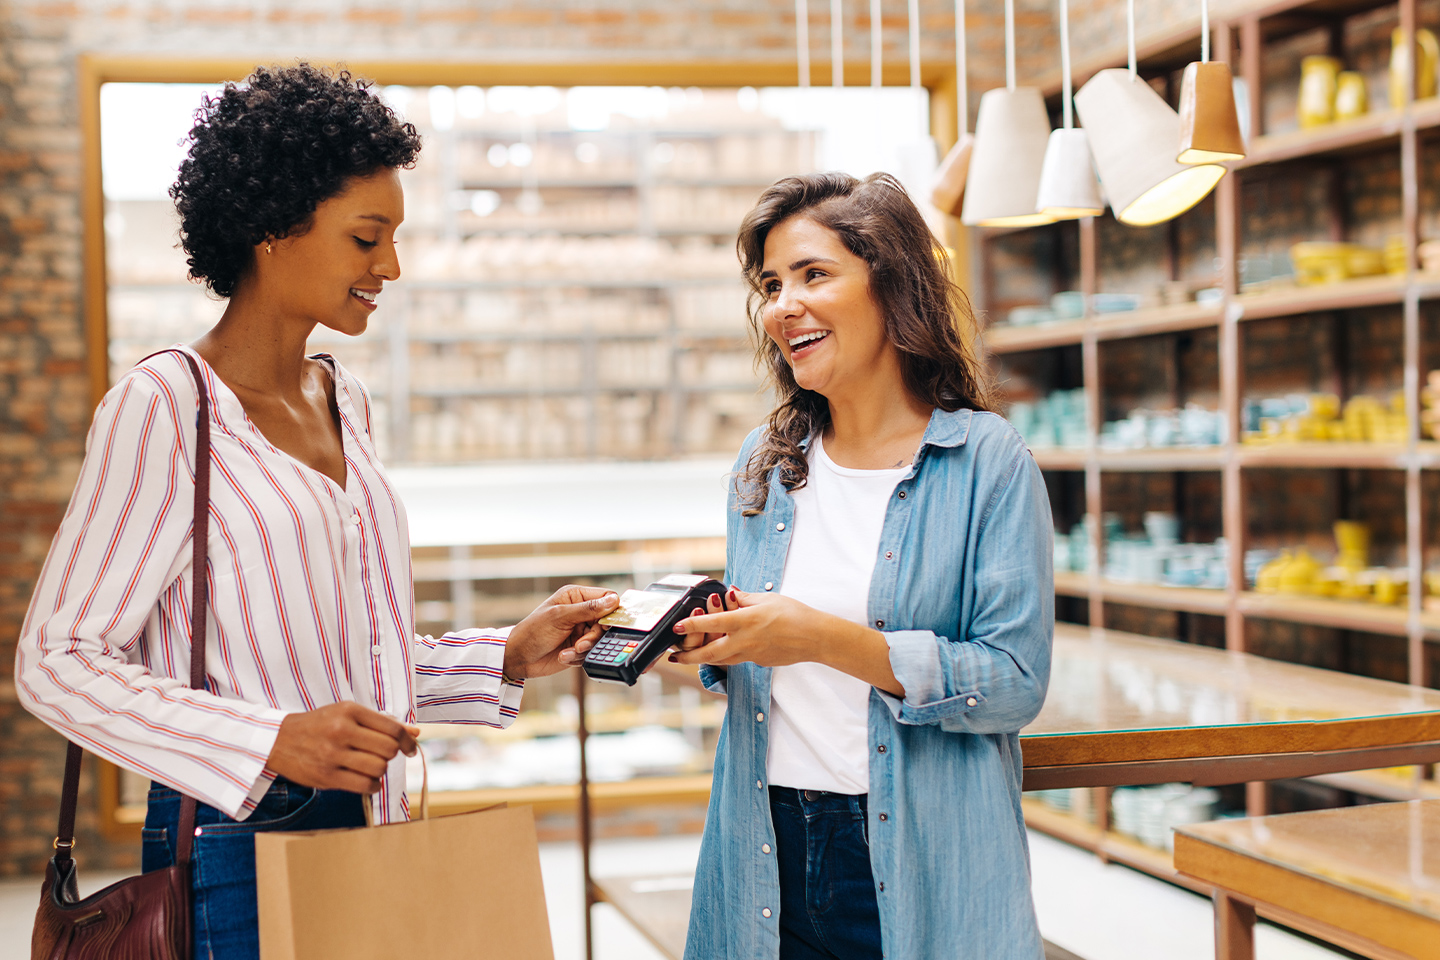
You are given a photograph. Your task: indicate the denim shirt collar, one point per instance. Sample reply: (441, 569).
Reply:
(947, 428)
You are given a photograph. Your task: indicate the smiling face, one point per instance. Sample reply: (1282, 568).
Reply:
(820, 313)
(332, 274)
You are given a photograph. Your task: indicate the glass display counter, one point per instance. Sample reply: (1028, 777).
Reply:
(1365, 878)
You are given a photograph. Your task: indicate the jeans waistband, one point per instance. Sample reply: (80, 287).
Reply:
(818, 801)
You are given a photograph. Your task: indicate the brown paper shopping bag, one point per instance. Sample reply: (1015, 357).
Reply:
(439, 888)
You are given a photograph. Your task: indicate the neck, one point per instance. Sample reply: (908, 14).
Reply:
(256, 346)
(876, 411)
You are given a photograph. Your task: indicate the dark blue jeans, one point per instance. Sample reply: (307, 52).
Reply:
(222, 860)
(827, 892)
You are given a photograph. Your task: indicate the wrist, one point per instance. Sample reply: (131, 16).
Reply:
(511, 669)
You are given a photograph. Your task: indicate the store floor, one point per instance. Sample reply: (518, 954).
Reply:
(1096, 911)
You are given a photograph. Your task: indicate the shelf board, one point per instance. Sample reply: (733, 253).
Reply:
(1070, 584)
(1107, 843)
(1163, 459)
(1188, 599)
(1058, 458)
(1325, 612)
(521, 393)
(1345, 295)
(1329, 455)
(1381, 784)
(614, 183)
(693, 788)
(1003, 338)
(1148, 321)
(1373, 130)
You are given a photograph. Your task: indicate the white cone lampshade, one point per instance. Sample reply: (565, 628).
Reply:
(1010, 135)
(949, 188)
(1133, 134)
(1068, 188)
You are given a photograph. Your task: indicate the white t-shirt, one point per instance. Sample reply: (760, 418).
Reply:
(819, 716)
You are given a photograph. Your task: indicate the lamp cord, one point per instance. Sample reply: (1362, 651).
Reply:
(1010, 44)
(1130, 30)
(875, 39)
(962, 86)
(1065, 107)
(1204, 31)
(802, 40)
(837, 45)
(913, 17)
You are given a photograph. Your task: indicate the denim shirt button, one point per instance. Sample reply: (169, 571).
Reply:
(764, 848)
(759, 785)
(901, 494)
(882, 886)
(760, 717)
(881, 748)
(765, 912)
(970, 702)
(769, 585)
(879, 624)
(780, 526)
(884, 817)
(889, 555)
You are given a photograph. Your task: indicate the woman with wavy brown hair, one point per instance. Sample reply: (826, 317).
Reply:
(888, 629)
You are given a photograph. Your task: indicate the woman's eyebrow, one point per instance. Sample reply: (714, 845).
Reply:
(378, 217)
(798, 265)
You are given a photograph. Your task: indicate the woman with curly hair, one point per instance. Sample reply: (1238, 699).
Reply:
(289, 200)
(888, 629)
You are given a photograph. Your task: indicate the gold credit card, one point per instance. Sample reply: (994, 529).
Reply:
(641, 609)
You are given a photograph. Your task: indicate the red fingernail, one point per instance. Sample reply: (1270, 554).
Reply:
(674, 659)
(679, 627)
(734, 597)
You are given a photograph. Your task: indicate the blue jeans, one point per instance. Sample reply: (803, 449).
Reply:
(222, 860)
(827, 892)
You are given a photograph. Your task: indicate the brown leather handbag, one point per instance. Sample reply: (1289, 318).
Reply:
(145, 917)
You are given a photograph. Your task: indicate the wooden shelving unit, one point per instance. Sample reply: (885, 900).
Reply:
(1385, 131)
(1391, 135)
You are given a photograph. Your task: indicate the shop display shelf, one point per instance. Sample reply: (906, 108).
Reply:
(1325, 612)
(1069, 584)
(1344, 295)
(1188, 599)
(1003, 338)
(1328, 455)
(552, 798)
(1056, 458)
(1109, 844)
(583, 283)
(1382, 785)
(1380, 128)
(1163, 459)
(543, 182)
(1171, 318)
(441, 392)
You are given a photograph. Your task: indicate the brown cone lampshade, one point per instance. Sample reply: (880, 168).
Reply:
(949, 188)
(1209, 128)
(1011, 132)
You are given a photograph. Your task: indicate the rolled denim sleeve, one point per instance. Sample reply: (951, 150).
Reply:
(993, 679)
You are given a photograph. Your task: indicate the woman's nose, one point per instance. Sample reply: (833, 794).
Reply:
(388, 267)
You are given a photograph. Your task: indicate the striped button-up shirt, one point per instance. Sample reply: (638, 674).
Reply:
(310, 594)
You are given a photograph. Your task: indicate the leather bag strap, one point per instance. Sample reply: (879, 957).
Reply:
(199, 610)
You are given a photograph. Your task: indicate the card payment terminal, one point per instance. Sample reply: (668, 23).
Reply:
(639, 630)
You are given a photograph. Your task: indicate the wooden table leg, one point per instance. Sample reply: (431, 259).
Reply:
(1234, 928)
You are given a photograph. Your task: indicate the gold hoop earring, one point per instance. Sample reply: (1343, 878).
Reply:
(267, 247)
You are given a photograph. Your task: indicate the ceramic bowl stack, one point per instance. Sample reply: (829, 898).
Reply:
(1149, 814)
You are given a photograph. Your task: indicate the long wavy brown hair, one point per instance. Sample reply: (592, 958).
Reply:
(910, 281)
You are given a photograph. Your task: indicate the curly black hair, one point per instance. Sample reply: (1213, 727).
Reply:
(264, 154)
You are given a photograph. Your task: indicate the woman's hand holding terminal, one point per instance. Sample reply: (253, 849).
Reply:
(775, 631)
(342, 746)
(558, 633)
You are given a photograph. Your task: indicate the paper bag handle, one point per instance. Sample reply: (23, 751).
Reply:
(369, 803)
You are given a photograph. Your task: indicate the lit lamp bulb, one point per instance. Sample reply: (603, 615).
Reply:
(1132, 134)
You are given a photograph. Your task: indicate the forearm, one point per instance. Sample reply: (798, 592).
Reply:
(858, 651)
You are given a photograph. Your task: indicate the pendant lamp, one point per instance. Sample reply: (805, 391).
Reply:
(950, 178)
(1132, 134)
(1010, 135)
(1209, 126)
(1068, 188)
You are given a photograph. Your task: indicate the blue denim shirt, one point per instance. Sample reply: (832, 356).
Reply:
(963, 592)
